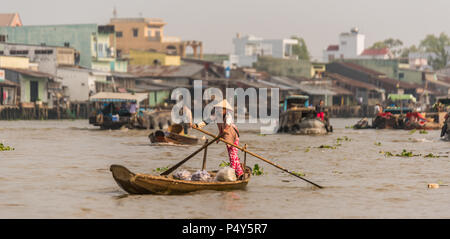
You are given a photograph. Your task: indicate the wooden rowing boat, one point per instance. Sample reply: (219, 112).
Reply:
(169, 137)
(151, 184)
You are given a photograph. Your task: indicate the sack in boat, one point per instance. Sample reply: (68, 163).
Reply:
(201, 176)
(226, 174)
(182, 175)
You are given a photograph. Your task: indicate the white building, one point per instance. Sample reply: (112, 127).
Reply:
(248, 48)
(351, 45)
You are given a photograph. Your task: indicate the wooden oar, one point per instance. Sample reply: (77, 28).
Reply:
(170, 170)
(257, 156)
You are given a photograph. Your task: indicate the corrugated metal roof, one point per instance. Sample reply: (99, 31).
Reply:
(315, 90)
(349, 81)
(8, 83)
(118, 97)
(185, 70)
(32, 73)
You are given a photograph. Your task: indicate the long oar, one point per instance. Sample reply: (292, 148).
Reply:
(170, 170)
(257, 156)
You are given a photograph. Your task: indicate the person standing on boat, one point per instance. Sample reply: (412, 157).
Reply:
(187, 121)
(231, 134)
(320, 110)
(378, 109)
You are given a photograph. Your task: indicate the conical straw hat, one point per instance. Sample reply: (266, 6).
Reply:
(224, 104)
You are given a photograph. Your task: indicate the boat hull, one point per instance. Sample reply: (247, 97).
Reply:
(166, 185)
(169, 137)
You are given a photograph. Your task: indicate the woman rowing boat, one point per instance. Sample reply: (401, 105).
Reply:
(230, 131)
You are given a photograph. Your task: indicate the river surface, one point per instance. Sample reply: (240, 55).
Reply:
(60, 169)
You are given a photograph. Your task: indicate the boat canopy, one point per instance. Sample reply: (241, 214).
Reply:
(297, 97)
(118, 97)
(444, 100)
(395, 97)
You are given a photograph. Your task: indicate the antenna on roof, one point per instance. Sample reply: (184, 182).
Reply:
(115, 12)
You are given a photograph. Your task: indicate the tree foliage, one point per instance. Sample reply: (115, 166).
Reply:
(407, 50)
(300, 49)
(437, 45)
(395, 45)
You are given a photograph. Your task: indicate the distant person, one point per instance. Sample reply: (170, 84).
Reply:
(187, 121)
(187, 116)
(320, 110)
(378, 109)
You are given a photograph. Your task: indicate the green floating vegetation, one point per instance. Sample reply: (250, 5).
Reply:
(350, 127)
(308, 149)
(377, 143)
(257, 171)
(408, 154)
(345, 138)
(412, 131)
(5, 148)
(161, 170)
(431, 155)
(300, 174)
(423, 132)
(327, 147)
(404, 153)
(224, 164)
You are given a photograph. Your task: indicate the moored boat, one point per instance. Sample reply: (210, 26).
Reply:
(152, 184)
(296, 117)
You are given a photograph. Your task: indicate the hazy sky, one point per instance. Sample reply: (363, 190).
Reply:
(217, 22)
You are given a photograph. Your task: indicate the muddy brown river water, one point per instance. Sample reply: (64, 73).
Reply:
(60, 169)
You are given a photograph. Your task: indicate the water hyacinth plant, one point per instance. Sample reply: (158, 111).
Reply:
(257, 171)
(5, 148)
(224, 164)
(299, 174)
(161, 170)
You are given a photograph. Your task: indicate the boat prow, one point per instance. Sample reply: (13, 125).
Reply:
(151, 184)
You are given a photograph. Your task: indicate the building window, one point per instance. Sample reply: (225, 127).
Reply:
(135, 32)
(2, 53)
(119, 34)
(149, 33)
(2, 38)
(43, 52)
(18, 52)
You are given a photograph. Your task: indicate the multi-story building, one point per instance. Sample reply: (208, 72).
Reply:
(148, 34)
(247, 49)
(351, 45)
(46, 58)
(96, 44)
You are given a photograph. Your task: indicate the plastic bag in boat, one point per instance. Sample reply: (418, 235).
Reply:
(201, 176)
(182, 175)
(226, 174)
